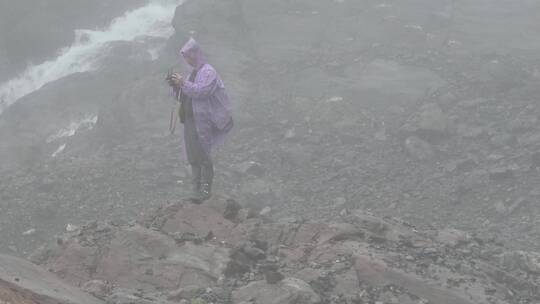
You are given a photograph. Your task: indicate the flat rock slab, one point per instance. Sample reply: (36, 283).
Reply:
(287, 291)
(377, 273)
(138, 258)
(24, 283)
(200, 220)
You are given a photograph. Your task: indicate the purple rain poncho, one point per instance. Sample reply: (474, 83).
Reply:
(212, 109)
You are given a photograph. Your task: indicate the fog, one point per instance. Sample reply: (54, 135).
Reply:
(404, 133)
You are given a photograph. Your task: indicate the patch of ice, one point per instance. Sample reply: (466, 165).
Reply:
(59, 150)
(29, 232)
(85, 124)
(415, 27)
(335, 99)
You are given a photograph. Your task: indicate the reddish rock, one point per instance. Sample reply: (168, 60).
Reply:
(376, 272)
(200, 220)
(139, 258)
(24, 283)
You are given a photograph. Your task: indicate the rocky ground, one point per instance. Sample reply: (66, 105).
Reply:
(425, 111)
(220, 252)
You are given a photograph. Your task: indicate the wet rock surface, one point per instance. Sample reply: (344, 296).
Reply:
(360, 258)
(22, 282)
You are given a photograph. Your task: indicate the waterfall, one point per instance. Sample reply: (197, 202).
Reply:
(151, 20)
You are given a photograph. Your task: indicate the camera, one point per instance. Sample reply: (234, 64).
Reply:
(169, 77)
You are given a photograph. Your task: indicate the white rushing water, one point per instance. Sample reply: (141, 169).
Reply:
(59, 150)
(151, 20)
(86, 123)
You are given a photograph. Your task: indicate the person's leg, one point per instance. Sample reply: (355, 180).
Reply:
(199, 154)
(196, 174)
(192, 151)
(207, 177)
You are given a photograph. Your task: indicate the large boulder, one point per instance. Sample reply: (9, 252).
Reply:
(528, 262)
(136, 257)
(376, 272)
(24, 283)
(211, 220)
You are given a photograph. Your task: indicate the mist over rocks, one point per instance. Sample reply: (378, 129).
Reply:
(22, 282)
(36, 31)
(32, 123)
(413, 110)
(426, 89)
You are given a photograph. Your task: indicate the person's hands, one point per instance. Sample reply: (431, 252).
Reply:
(177, 80)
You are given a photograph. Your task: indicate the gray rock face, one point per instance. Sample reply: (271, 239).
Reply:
(24, 283)
(98, 288)
(452, 237)
(166, 267)
(354, 258)
(525, 261)
(288, 291)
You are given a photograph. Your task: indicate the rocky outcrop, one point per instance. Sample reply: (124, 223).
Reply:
(192, 252)
(415, 110)
(288, 291)
(24, 283)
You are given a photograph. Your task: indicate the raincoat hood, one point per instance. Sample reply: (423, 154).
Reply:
(192, 48)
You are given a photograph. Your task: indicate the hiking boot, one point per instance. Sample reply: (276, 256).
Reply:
(195, 182)
(195, 190)
(207, 175)
(202, 195)
(205, 192)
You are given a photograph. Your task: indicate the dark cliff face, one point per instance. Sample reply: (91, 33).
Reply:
(33, 31)
(107, 94)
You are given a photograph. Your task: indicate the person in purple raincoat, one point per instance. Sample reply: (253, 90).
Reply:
(206, 115)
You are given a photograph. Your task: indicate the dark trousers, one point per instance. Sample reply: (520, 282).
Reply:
(200, 161)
